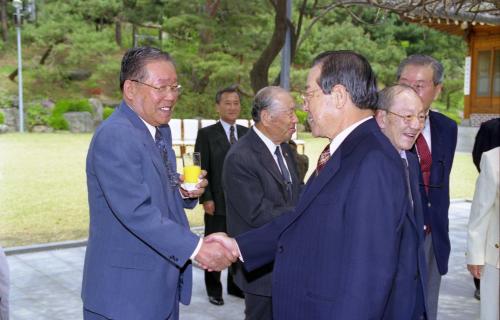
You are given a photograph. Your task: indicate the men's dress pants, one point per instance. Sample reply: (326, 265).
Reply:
(258, 307)
(489, 293)
(433, 279)
(217, 223)
(4, 286)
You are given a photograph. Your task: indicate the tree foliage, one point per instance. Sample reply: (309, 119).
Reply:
(217, 43)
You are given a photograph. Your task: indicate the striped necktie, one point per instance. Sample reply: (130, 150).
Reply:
(323, 159)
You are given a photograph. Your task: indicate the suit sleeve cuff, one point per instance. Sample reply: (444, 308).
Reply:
(197, 249)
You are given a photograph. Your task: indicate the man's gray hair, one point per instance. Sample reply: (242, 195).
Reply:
(264, 99)
(423, 60)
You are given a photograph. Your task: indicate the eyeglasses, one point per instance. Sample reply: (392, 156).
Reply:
(410, 117)
(307, 95)
(175, 89)
(418, 86)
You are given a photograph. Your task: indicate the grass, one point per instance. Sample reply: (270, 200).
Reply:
(43, 195)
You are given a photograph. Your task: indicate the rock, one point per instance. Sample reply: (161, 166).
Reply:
(79, 121)
(97, 108)
(79, 74)
(4, 128)
(41, 129)
(48, 104)
(11, 118)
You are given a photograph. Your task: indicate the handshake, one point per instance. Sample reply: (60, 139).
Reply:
(217, 252)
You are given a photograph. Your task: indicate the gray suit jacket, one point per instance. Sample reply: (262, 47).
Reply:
(4, 286)
(137, 260)
(255, 194)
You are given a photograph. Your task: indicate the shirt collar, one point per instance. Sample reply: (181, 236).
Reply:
(337, 141)
(269, 144)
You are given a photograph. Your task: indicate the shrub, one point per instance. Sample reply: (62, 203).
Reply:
(57, 120)
(106, 112)
(2, 118)
(37, 115)
(301, 115)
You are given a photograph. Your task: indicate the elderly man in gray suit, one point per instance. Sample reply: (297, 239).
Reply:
(4, 286)
(260, 182)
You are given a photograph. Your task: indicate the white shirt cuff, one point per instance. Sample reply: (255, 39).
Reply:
(198, 247)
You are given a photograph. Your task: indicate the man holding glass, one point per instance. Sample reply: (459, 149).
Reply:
(260, 183)
(138, 258)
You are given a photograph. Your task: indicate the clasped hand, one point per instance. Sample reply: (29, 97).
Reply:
(217, 252)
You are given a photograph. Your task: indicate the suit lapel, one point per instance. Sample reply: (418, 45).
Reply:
(265, 158)
(436, 149)
(146, 138)
(221, 137)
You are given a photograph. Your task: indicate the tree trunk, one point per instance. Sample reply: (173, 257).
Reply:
(260, 70)
(3, 19)
(118, 32)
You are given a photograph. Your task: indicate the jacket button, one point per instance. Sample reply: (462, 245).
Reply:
(497, 245)
(428, 204)
(280, 249)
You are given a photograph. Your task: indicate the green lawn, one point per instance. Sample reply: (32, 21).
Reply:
(43, 196)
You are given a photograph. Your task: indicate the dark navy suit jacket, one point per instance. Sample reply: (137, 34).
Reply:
(437, 202)
(338, 254)
(137, 260)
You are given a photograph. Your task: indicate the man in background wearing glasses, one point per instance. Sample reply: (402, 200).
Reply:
(401, 118)
(138, 257)
(435, 148)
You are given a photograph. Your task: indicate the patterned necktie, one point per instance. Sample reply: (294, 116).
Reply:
(232, 137)
(323, 158)
(173, 177)
(425, 157)
(284, 171)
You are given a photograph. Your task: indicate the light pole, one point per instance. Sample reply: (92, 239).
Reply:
(286, 52)
(18, 4)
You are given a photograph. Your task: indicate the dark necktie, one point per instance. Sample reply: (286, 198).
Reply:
(425, 157)
(163, 147)
(232, 137)
(407, 176)
(323, 158)
(284, 171)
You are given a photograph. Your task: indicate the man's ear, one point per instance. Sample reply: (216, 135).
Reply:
(129, 89)
(339, 94)
(437, 90)
(381, 118)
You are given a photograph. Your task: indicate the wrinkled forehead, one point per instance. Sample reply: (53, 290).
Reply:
(407, 100)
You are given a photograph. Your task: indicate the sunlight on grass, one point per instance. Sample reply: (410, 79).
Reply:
(43, 193)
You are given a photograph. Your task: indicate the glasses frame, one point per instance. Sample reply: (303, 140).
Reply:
(306, 95)
(175, 89)
(409, 118)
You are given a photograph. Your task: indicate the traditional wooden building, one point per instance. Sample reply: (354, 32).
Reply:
(478, 21)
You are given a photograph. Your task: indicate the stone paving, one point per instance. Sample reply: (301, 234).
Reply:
(46, 285)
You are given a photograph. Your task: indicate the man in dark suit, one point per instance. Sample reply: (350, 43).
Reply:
(401, 117)
(435, 147)
(260, 183)
(336, 255)
(213, 142)
(138, 258)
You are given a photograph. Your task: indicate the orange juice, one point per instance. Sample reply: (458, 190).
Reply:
(191, 174)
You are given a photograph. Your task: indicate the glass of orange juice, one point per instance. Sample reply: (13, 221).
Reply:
(192, 169)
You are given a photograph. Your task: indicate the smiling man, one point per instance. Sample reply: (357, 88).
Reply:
(138, 258)
(260, 183)
(435, 148)
(336, 255)
(400, 115)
